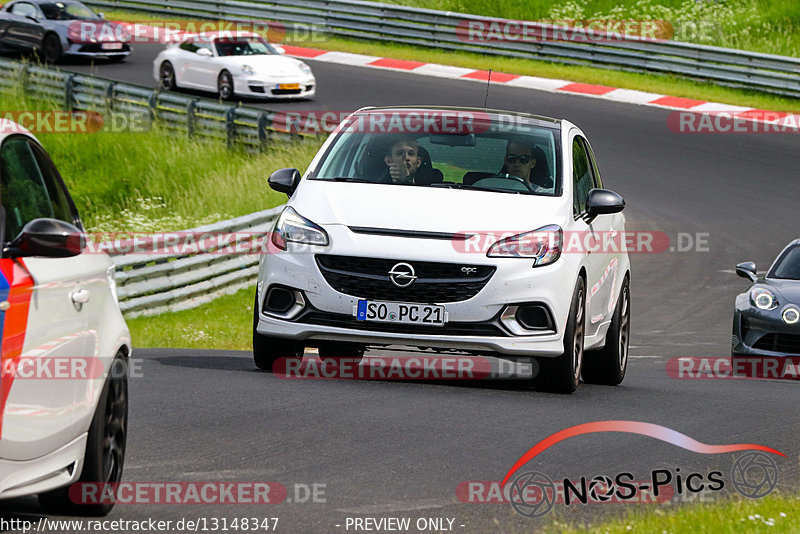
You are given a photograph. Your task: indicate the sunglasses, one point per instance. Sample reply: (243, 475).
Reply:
(512, 158)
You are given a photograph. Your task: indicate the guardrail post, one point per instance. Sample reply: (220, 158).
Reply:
(69, 92)
(230, 125)
(109, 98)
(263, 124)
(190, 119)
(152, 104)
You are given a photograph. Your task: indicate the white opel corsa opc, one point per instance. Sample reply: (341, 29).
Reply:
(233, 64)
(65, 346)
(450, 228)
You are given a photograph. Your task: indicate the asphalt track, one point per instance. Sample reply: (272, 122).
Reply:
(400, 449)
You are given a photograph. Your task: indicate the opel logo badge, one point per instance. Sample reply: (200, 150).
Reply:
(402, 275)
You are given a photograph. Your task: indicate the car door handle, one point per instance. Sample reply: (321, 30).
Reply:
(80, 296)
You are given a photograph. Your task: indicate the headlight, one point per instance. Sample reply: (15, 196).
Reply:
(247, 69)
(790, 315)
(305, 68)
(763, 299)
(543, 245)
(291, 226)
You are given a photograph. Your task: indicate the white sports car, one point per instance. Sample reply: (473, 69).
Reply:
(450, 228)
(233, 64)
(65, 345)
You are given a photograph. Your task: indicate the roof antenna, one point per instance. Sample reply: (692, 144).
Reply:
(488, 81)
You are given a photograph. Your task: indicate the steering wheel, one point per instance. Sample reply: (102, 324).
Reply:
(511, 177)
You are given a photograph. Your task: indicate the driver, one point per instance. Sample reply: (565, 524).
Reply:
(520, 159)
(403, 160)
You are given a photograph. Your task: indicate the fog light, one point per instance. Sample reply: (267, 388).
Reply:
(527, 319)
(791, 315)
(283, 302)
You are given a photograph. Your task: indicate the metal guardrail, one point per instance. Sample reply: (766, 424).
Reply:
(250, 128)
(149, 284)
(438, 29)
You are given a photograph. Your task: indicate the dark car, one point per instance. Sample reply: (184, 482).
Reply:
(766, 318)
(56, 28)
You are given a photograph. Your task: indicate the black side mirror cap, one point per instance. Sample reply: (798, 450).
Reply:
(284, 180)
(602, 202)
(50, 238)
(747, 270)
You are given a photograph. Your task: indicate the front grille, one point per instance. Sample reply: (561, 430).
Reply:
(368, 278)
(487, 329)
(286, 91)
(785, 343)
(256, 88)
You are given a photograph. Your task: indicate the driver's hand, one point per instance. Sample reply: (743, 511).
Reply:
(399, 172)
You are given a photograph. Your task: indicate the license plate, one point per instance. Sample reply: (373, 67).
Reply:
(111, 46)
(401, 312)
(288, 86)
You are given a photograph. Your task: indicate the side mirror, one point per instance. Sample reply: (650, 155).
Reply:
(284, 180)
(205, 52)
(50, 238)
(747, 270)
(31, 17)
(279, 49)
(602, 202)
(101, 16)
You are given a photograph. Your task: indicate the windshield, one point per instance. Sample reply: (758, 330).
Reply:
(455, 149)
(66, 11)
(788, 265)
(246, 46)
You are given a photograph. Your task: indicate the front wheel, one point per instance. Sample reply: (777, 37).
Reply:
(562, 373)
(225, 85)
(267, 349)
(105, 447)
(608, 365)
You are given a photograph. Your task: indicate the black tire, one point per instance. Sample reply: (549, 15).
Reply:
(51, 48)
(341, 349)
(607, 366)
(105, 446)
(225, 85)
(267, 349)
(166, 76)
(562, 373)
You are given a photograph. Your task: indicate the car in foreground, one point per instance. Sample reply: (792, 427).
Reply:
(65, 345)
(233, 64)
(474, 252)
(766, 317)
(59, 28)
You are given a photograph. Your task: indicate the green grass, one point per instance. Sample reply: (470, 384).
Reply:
(730, 516)
(225, 323)
(661, 84)
(771, 26)
(159, 180)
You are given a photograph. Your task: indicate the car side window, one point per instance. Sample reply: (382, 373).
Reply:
(30, 186)
(24, 9)
(582, 175)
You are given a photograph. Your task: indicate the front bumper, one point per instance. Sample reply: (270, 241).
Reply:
(94, 50)
(257, 87)
(54, 470)
(762, 332)
(514, 281)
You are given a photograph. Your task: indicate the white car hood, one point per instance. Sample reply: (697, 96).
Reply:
(268, 65)
(425, 208)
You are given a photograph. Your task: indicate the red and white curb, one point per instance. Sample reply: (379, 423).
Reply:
(627, 96)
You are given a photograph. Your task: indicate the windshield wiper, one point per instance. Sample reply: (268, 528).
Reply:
(350, 179)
